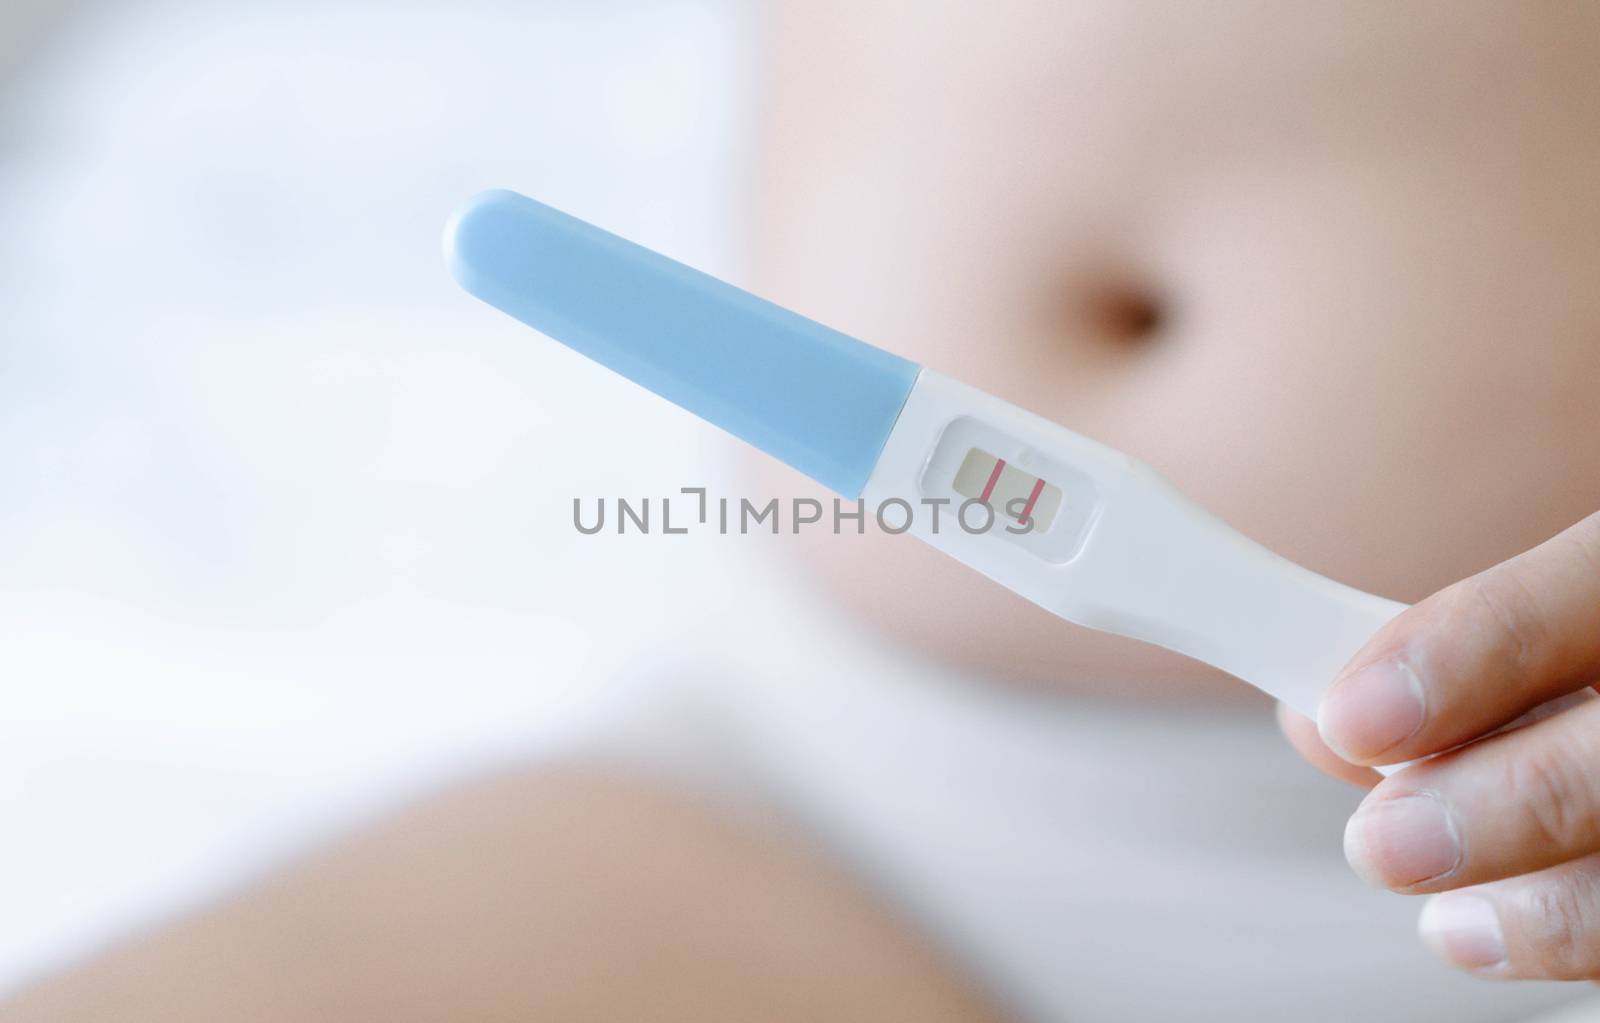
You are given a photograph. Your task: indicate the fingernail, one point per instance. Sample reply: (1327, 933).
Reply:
(1372, 711)
(1463, 930)
(1397, 843)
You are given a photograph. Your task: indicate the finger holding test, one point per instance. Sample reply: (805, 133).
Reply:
(1301, 732)
(1473, 657)
(1519, 802)
(1544, 925)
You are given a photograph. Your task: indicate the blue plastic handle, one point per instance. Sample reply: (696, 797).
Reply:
(815, 398)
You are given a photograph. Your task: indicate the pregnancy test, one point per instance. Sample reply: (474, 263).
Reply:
(1079, 528)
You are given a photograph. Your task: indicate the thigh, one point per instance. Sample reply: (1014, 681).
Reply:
(576, 894)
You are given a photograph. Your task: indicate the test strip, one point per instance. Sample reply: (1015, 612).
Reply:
(1012, 493)
(1113, 545)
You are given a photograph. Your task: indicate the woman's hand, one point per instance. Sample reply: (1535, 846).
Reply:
(1507, 827)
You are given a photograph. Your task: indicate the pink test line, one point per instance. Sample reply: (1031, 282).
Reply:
(994, 477)
(1027, 509)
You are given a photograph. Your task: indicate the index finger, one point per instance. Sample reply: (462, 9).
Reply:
(1474, 656)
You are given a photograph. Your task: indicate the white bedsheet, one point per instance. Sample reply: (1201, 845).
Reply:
(285, 517)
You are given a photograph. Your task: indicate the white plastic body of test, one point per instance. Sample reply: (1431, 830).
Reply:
(1152, 565)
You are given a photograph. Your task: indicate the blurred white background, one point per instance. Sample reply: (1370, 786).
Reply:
(285, 518)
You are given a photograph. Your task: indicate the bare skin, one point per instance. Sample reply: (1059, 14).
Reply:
(563, 895)
(1366, 232)
(1331, 268)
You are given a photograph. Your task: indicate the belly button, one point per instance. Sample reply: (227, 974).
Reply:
(1124, 313)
